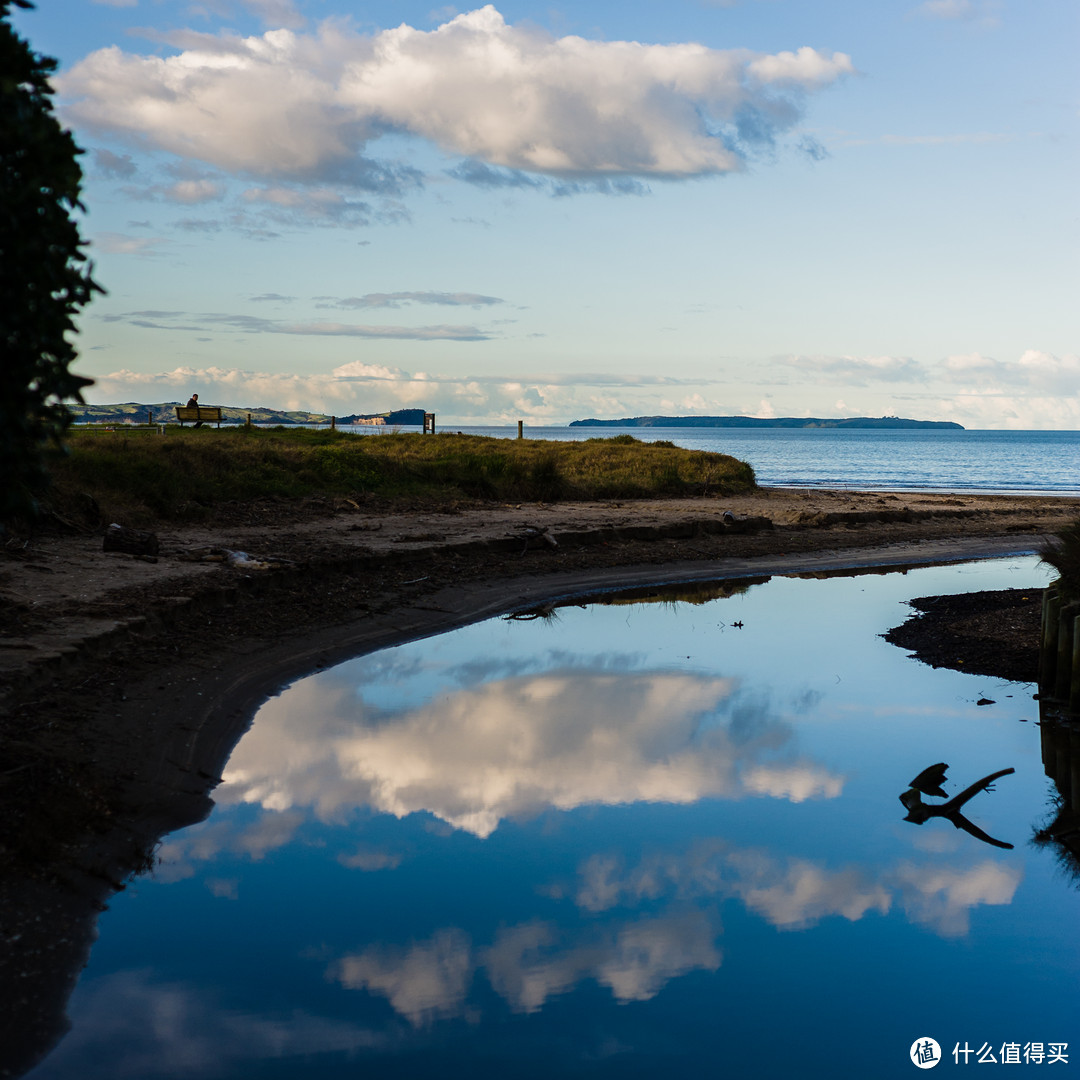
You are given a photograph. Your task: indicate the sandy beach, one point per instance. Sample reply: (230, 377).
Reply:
(270, 592)
(127, 680)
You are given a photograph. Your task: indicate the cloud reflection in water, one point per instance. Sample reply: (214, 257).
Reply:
(518, 746)
(532, 962)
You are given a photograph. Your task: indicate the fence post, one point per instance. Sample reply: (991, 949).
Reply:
(521, 425)
(1074, 682)
(1048, 644)
(1063, 670)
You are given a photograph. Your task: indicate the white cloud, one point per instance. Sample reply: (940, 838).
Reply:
(531, 962)
(368, 860)
(1039, 390)
(357, 369)
(796, 782)
(206, 322)
(1035, 370)
(856, 370)
(363, 386)
(1002, 408)
(401, 299)
(978, 392)
(801, 893)
(790, 894)
(195, 191)
(177, 856)
(794, 893)
(224, 888)
(289, 106)
(114, 166)
(122, 244)
(984, 12)
(185, 192)
(317, 204)
(605, 884)
(942, 897)
(644, 956)
(514, 748)
(424, 982)
(276, 13)
(132, 1025)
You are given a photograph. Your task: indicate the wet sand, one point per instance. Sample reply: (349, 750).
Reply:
(127, 682)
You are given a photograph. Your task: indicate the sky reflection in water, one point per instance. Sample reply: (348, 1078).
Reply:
(628, 837)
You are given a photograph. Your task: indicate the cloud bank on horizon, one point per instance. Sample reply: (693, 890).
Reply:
(707, 209)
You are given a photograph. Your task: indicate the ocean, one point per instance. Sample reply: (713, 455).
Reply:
(993, 462)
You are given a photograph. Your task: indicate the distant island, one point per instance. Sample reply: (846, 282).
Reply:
(768, 422)
(164, 412)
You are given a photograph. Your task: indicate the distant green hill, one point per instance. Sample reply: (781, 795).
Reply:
(164, 412)
(768, 422)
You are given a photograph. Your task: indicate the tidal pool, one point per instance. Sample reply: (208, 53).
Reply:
(649, 834)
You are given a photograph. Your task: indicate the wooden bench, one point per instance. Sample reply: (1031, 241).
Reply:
(204, 413)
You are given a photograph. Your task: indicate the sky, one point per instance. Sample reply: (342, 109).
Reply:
(550, 211)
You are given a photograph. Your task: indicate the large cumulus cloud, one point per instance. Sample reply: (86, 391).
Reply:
(303, 107)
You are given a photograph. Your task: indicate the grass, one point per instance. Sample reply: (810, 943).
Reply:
(1062, 552)
(140, 477)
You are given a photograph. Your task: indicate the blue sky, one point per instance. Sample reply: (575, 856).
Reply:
(548, 212)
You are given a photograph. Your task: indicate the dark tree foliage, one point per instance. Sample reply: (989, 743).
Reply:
(44, 276)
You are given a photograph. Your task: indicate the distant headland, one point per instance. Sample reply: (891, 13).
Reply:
(768, 422)
(164, 412)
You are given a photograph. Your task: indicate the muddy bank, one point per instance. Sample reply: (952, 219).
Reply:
(127, 682)
(994, 633)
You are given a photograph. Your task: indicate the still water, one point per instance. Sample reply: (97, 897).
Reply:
(653, 834)
(1023, 462)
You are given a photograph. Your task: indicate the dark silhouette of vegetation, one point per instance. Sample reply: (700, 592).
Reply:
(44, 276)
(1063, 554)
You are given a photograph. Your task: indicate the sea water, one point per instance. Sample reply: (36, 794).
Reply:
(640, 837)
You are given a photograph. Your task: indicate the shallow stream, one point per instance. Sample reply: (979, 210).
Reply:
(654, 834)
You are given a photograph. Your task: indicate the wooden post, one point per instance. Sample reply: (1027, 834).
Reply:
(149, 417)
(1063, 669)
(249, 420)
(333, 423)
(1048, 644)
(521, 425)
(1074, 681)
(1074, 774)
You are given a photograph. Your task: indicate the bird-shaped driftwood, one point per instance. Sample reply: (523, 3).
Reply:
(929, 782)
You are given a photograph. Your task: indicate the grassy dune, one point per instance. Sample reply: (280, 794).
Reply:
(145, 477)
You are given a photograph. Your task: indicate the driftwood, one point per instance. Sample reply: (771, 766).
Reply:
(130, 541)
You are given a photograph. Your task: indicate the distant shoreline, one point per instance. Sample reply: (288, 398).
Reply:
(879, 422)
